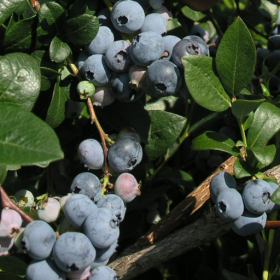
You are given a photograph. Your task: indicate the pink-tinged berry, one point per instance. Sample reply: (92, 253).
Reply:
(127, 187)
(49, 211)
(10, 223)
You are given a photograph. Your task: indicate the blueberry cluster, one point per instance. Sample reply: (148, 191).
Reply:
(149, 63)
(87, 235)
(247, 213)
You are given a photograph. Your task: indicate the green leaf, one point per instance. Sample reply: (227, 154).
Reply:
(7, 7)
(203, 83)
(191, 14)
(81, 30)
(242, 107)
(81, 7)
(19, 80)
(236, 57)
(276, 196)
(264, 155)
(211, 140)
(18, 36)
(56, 111)
(12, 265)
(3, 173)
(242, 169)
(59, 50)
(165, 128)
(25, 139)
(120, 114)
(247, 121)
(266, 123)
(51, 16)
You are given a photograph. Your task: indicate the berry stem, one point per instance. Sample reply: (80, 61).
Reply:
(268, 249)
(108, 4)
(102, 136)
(7, 202)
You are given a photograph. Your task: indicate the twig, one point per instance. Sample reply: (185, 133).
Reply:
(134, 262)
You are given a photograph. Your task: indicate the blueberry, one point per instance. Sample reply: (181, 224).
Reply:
(96, 70)
(190, 45)
(119, 86)
(125, 154)
(127, 187)
(101, 42)
(249, 223)
(127, 16)
(102, 228)
(154, 22)
(103, 273)
(103, 255)
(117, 56)
(103, 96)
(273, 42)
(220, 182)
(129, 131)
(77, 208)
(44, 270)
(229, 204)
(113, 203)
(88, 184)
(163, 78)
(73, 252)
(169, 42)
(90, 153)
(256, 196)
(146, 47)
(38, 240)
(199, 31)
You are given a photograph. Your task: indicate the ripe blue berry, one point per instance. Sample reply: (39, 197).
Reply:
(220, 182)
(103, 273)
(249, 223)
(229, 204)
(96, 70)
(101, 42)
(256, 196)
(38, 240)
(73, 252)
(77, 208)
(163, 78)
(154, 22)
(127, 16)
(146, 47)
(91, 154)
(88, 184)
(190, 45)
(117, 56)
(125, 154)
(102, 228)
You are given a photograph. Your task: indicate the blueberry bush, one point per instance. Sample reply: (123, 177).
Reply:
(139, 139)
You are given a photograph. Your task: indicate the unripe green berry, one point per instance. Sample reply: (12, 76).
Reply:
(85, 89)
